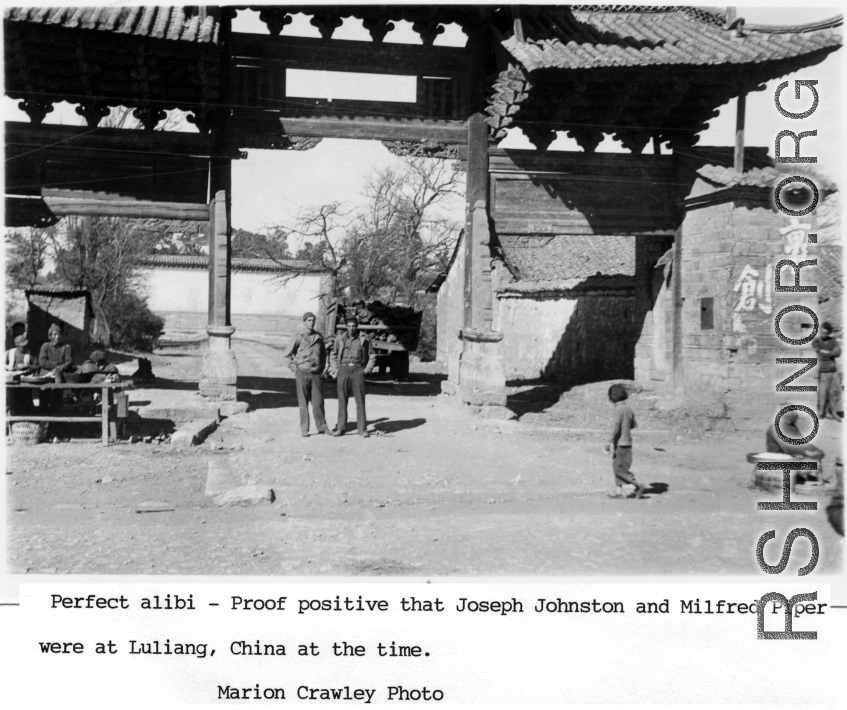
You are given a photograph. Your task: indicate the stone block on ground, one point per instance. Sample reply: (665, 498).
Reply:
(219, 375)
(245, 495)
(499, 413)
(230, 409)
(220, 477)
(483, 398)
(193, 433)
(180, 413)
(448, 387)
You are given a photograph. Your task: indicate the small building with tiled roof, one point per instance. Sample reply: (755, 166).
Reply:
(267, 296)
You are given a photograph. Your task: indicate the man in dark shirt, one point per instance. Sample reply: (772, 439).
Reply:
(306, 355)
(829, 383)
(352, 358)
(56, 357)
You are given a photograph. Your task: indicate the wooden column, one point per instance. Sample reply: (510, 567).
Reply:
(678, 302)
(477, 243)
(219, 375)
(739, 133)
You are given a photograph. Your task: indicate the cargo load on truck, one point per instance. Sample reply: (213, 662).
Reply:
(392, 330)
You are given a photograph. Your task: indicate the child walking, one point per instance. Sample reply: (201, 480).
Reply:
(620, 445)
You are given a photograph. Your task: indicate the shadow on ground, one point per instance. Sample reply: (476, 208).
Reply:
(656, 488)
(534, 395)
(389, 426)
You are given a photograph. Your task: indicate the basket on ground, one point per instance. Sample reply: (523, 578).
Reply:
(27, 433)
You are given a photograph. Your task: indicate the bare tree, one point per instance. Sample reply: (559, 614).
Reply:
(405, 231)
(319, 231)
(26, 253)
(102, 255)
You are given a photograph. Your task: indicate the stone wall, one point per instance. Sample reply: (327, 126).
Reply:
(259, 302)
(730, 248)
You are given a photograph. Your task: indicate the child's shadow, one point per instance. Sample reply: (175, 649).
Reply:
(657, 488)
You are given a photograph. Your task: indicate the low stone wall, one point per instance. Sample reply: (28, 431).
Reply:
(244, 323)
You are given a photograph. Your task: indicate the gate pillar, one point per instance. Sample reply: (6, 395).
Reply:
(219, 374)
(482, 378)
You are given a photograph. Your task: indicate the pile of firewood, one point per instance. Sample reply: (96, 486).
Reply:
(406, 320)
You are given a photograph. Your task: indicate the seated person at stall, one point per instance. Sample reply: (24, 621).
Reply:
(19, 358)
(12, 333)
(56, 357)
(788, 426)
(97, 369)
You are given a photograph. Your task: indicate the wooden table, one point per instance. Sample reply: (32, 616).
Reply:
(106, 402)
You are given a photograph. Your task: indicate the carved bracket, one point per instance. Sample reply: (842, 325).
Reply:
(633, 140)
(326, 22)
(378, 27)
(587, 138)
(510, 89)
(93, 113)
(422, 149)
(540, 135)
(275, 19)
(428, 28)
(201, 119)
(149, 117)
(270, 141)
(36, 109)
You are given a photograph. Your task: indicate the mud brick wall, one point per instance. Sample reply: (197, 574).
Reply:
(730, 249)
(569, 337)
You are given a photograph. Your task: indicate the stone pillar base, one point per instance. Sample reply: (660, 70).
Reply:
(482, 377)
(219, 376)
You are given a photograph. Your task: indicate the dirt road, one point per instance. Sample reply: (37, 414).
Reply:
(433, 491)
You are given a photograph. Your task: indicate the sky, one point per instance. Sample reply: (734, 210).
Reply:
(269, 187)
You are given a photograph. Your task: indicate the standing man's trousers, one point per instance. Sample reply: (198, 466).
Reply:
(351, 380)
(829, 394)
(309, 390)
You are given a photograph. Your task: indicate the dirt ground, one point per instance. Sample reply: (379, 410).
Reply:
(433, 491)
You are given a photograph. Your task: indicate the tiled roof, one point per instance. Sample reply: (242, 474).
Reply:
(762, 177)
(581, 37)
(178, 261)
(567, 257)
(59, 290)
(187, 23)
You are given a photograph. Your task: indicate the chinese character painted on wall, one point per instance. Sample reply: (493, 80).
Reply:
(795, 237)
(753, 292)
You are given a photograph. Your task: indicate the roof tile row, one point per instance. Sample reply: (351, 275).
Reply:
(190, 24)
(581, 38)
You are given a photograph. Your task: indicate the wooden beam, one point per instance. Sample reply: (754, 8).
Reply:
(26, 136)
(347, 55)
(68, 202)
(452, 132)
(739, 133)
